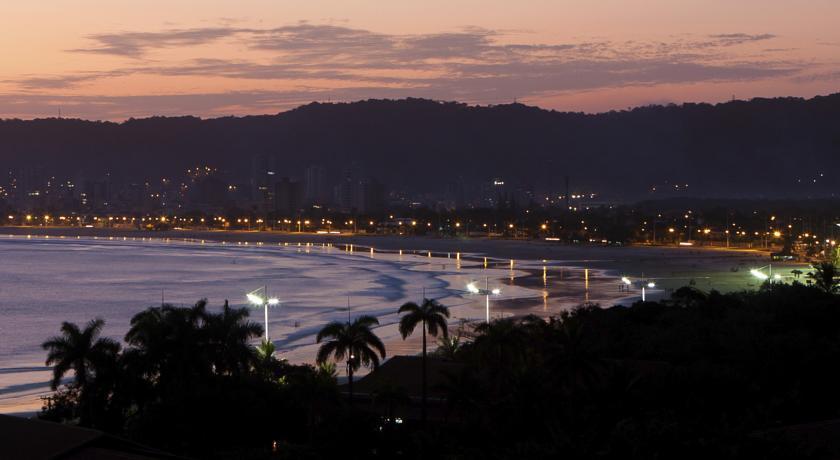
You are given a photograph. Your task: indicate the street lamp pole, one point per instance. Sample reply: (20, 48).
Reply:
(486, 292)
(265, 310)
(643, 284)
(487, 299)
(756, 272)
(264, 301)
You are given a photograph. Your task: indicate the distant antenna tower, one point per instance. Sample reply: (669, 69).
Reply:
(59, 112)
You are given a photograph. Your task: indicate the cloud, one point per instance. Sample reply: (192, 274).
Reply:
(471, 64)
(322, 39)
(739, 38)
(137, 44)
(51, 82)
(525, 79)
(36, 83)
(832, 75)
(205, 104)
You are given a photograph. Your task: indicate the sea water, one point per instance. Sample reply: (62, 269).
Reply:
(47, 280)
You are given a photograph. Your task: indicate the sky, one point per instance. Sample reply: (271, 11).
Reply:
(117, 59)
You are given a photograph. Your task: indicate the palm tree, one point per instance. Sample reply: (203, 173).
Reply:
(265, 364)
(83, 351)
(169, 346)
(432, 315)
(502, 344)
(228, 334)
(265, 350)
(448, 347)
(688, 296)
(825, 277)
(355, 341)
(573, 354)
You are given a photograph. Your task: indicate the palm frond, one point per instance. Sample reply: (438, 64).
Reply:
(327, 349)
(333, 329)
(59, 370)
(70, 329)
(373, 341)
(366, 321)
(408, 307)
(408, 323)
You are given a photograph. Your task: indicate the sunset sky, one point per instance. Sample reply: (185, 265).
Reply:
(113, 60)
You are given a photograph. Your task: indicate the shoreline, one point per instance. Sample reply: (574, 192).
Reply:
(552, 272)
(707, 268)
(518, 299)
(501, 248)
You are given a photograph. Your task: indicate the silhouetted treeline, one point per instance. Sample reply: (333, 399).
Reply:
(757, 148)
(698, 376)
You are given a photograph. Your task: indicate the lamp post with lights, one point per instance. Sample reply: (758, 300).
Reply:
(472, 288)
(259, 298)
(756, 272)
(642, 284)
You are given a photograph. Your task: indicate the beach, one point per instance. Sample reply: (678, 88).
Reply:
(535, 277)
(674, 266)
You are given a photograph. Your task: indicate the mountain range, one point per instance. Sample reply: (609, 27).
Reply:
(757, 148)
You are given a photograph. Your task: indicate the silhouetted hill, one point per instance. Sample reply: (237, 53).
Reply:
(762, 147)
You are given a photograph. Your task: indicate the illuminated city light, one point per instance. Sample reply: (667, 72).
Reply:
(758, 274)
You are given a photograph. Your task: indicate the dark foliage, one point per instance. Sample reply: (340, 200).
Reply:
(189, 383)
(698, 376)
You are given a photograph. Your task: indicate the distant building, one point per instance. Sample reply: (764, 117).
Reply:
(455, 193)
(343, 193)
(287, 196)
(95, 195)
(208, 192)
(369, 196)
(263, 175)
(315, 186)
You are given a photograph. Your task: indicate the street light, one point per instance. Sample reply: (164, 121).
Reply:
(264, 301)
(650, 285)
(756, 272)
(643, 284)
(472, 288)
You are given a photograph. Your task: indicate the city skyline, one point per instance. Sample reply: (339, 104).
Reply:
(113, 62)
